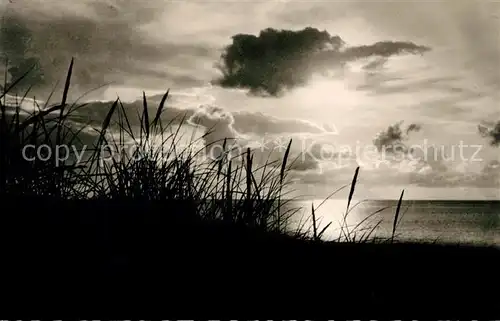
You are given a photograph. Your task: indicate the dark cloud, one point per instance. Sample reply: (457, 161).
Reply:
(277, 60)
(392, 139)
(383, 49)
(391, 143)
(491, 131)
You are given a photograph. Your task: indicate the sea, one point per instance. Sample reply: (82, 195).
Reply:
(442, 221)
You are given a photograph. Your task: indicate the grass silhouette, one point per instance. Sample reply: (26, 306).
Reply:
(157, 170)
(205, 230)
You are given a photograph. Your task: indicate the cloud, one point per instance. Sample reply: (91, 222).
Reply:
(277, 60)
(423, 162)
(433, 165)
(218, 127)
(411, 179)
(488, 177)
(260, 123)
(266, 136)
(93, 113)
(388, 86)
(107, 42)
(491, 131)
(383, 49)
(392, 139)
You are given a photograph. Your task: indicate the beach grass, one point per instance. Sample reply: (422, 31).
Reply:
(168, 213)
(38, 158)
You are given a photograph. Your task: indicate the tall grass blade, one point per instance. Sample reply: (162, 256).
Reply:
(221, 160)
(315, 228)
(38, 117)
(145, 114)
(68, 82)
(229, 201)
(5, 84)
(106, 122)
(323, 230)
(64, 99)
(248, 176)
(160, 108)
(396, 216)
(285, 158)
(353, 187)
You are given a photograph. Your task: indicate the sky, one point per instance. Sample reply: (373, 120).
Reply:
(153, 45)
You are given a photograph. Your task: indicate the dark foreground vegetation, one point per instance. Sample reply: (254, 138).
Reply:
(133, 255)
(172, 233)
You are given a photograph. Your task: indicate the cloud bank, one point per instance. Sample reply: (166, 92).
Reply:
(106, 39)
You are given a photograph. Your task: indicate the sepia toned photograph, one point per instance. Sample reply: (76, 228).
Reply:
(286, 156)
